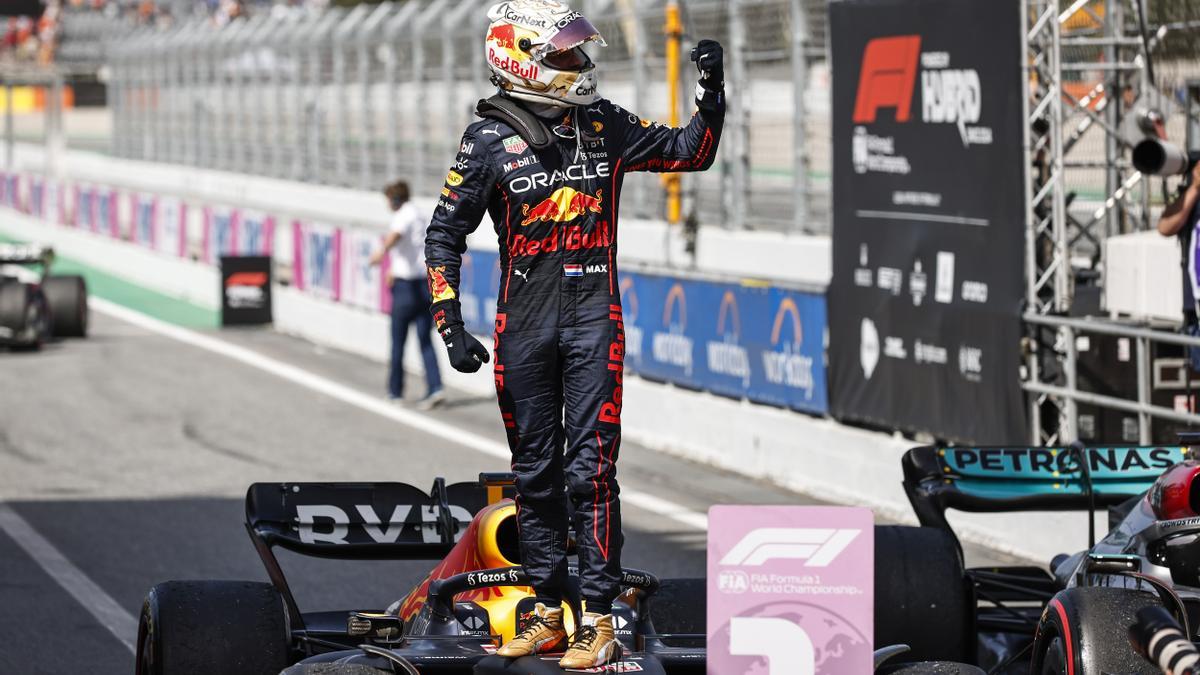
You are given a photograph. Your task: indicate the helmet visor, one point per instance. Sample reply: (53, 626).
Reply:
(572, 60)
(574, 32)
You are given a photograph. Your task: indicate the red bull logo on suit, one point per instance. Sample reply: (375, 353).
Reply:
(563, 205)
(572, 238)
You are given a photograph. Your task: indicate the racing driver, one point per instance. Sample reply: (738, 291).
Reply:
(546, 163)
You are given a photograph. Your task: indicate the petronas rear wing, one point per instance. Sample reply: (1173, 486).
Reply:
(999, 479)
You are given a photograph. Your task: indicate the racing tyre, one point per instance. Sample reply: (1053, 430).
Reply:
(923, 598)
(1084, 631)
(679, 606)
(930, 668)
(205, 627)
(334, 669)
(68, 300)
(24, 318)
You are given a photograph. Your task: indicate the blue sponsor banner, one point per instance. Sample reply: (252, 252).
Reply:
(316, 253)
(725, 325)
(790, 347)
(12, 192)
(37, 194)
(748, 340)
(479, 281)
(84, 212)
(669, 312)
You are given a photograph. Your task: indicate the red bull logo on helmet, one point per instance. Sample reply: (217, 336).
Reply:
(503, 35)
(518, 67)
(562, 206)
(507, 37)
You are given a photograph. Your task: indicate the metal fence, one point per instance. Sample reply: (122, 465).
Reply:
(356, 97)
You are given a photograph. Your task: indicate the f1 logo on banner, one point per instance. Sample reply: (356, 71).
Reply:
(817, 546)
(793, 593)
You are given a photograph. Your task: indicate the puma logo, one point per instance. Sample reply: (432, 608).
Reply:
(597, 110)
(524, 274)
(494, 131)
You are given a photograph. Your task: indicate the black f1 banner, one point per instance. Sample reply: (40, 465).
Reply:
(245, 290)
(928, 216)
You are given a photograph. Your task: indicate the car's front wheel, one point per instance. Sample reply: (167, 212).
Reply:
(205, 627)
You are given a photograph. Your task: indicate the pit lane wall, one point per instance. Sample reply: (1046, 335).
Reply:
(725, 372)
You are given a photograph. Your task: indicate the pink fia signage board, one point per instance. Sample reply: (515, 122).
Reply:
(790, 590)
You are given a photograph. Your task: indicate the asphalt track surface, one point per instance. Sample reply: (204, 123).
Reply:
(124, 460)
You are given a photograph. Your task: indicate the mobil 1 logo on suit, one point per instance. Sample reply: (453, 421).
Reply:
(790, 590)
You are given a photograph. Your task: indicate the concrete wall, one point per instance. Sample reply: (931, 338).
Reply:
(796, 259)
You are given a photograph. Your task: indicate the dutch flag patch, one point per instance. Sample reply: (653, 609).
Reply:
(572, 270)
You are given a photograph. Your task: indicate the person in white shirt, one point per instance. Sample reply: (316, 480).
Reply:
(405, 246)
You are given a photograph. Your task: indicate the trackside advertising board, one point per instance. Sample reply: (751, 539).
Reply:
(747, 340)
(317, 259)
(230, 231)
(158, 223)
(245, 290)
(928, 236)
(363, 284)
(790, 590)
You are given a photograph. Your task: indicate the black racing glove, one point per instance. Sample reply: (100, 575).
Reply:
(467, 354)
(710, 60)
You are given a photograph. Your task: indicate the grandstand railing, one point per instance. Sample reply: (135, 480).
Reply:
(1067, 388)
(357, 97)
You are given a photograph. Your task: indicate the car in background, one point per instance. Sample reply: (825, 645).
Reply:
(1073, 616)
(37, 306)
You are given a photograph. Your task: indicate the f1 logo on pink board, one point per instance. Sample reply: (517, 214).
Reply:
(790, 590)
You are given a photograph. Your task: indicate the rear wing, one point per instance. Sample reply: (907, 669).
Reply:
(26, 254)
(998, 479)
(363, 521)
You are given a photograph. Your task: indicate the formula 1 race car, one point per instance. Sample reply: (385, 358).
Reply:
(475, 598)
(452, 622)
(931, 614)
(35, 308)
(1077, 616)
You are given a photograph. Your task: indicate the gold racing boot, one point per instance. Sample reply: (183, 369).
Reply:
(543, 633)
(594, 644)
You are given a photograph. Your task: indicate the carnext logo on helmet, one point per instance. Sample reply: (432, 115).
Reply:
(572, 270)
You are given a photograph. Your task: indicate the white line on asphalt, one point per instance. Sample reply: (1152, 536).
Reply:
(101, 605)
(317, 383)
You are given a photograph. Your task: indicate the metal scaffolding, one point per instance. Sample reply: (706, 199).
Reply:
(1086, 67)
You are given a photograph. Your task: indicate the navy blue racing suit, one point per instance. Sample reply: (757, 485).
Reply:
(559, 340)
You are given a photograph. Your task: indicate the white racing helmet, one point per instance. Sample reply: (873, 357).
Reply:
(534, 48)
